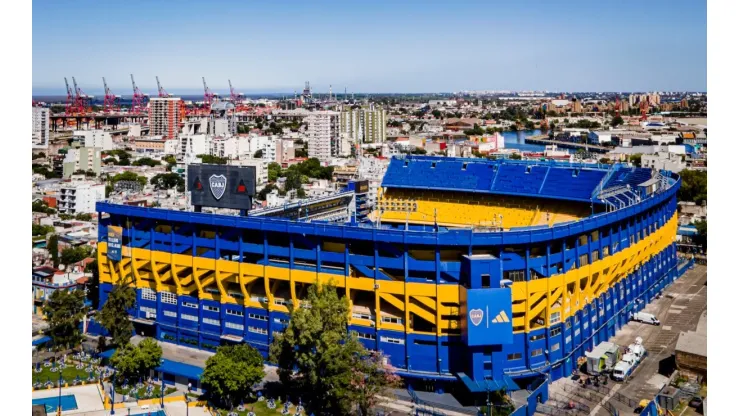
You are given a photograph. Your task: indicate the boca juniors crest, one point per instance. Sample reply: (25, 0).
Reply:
(218, 185)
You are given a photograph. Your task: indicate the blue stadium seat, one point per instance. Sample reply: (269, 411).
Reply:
(510, 177)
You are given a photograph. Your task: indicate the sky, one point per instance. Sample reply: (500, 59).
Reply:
(381, 46)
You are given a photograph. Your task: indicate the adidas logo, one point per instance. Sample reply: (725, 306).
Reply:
(500, 318)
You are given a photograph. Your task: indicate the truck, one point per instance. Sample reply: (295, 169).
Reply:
(603, 358)
(647, 318)
(629, 362)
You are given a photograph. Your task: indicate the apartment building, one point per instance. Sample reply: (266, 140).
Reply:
(363, 124)
(156, 145)
(94, 138)
(40, 129)
(194, 144)
(323, 134)
(84, 159)
(79, 197)
(164, 116)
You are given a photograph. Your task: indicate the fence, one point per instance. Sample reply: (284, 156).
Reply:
(560, 402)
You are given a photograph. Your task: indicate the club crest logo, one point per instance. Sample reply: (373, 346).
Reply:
(476, 316)
(218, 185)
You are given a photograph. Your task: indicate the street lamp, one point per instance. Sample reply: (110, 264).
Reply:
(488, 399)
(113, 393)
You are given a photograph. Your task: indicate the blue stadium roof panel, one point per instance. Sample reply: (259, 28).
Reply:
(556, 180)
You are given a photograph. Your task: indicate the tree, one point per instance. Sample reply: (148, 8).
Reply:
(617, 121)
(475, 131)
(258, 154)
(150, 355)
(53, 246)
(64, 311)
(126, 361)
(102, 343)
(604, 160)
(231, 373)
(693, 186)
(636, 160)
(215, 160)
(273, 171)
(93, 283)
(293, 180)
(167, 181)
(37, 229)
(73, 255)
(83, 217)
(114, 314)
(516, 156)
(171, 161)
(262, 194)
(371, 379)
(320, 359)
(43, 207)
(146, 161)
(133, 362)
(701, 238)
(129, 176)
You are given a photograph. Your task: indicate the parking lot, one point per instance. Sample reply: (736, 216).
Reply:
(678, 310)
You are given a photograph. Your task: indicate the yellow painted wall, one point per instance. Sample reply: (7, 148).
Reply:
(159, 271)
(464, 209)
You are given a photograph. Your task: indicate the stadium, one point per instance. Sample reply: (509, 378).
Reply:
(479, 273)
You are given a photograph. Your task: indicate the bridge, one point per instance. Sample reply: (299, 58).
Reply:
(97, 119)
(545, 140)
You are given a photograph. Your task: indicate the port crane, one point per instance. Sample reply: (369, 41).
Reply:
(139, 100)
(162, 93)
(81, 100)
(70, 107)
(208, 97)
(110, 100)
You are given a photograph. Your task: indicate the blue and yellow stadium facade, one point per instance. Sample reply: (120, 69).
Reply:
(473, 271)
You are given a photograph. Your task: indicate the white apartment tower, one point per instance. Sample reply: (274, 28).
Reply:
(40, 130)
(323, 135)
(164, 116)
(79, 198)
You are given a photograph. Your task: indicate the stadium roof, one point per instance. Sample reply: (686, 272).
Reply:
(555, 180)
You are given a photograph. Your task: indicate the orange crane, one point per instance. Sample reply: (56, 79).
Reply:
(643, 110)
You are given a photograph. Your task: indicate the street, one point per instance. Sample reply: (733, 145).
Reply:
(680, 309)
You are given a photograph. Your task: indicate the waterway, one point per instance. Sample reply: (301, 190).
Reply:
(515, 140)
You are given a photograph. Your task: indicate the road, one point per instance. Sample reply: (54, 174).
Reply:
(680, 309)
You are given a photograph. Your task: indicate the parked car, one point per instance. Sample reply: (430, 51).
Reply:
(647, 318)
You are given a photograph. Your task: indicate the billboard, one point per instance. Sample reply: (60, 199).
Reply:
(222, 186)
(486, 316)
(115, 240)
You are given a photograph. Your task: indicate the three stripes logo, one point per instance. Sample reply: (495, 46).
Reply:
(500, 318)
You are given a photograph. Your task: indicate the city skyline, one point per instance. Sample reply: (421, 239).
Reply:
(364, 48)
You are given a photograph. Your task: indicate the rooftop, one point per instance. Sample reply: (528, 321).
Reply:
(693, 343)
